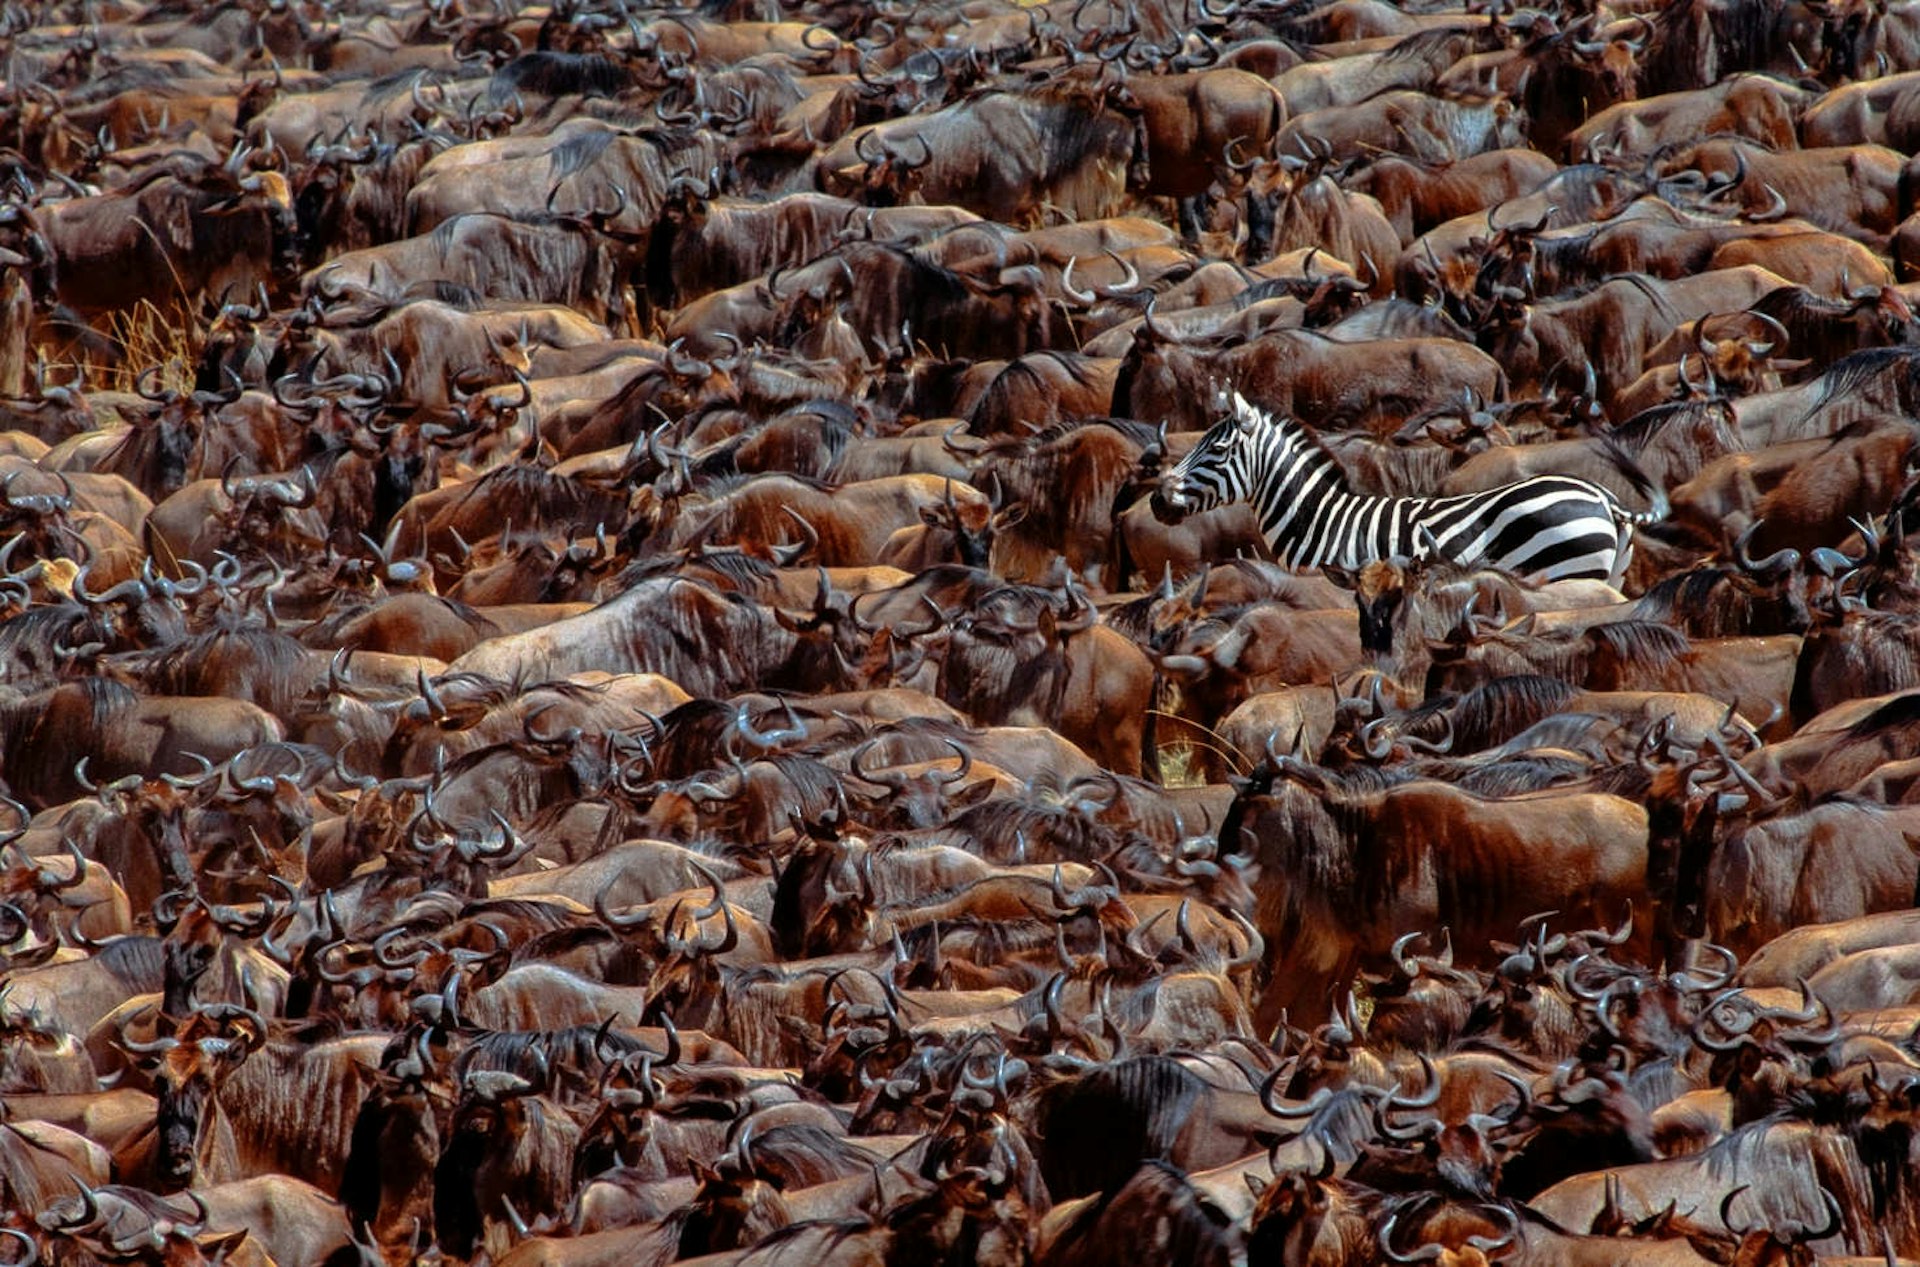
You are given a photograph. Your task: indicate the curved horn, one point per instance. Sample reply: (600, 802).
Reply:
(1425, 1254)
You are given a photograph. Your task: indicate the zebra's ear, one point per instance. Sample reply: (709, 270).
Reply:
(1244, 414)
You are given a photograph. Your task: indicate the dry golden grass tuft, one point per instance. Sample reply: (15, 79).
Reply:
(147, 336)
(1178, 767)
(142, 336)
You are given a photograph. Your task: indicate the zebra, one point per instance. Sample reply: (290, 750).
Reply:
(1546, 528)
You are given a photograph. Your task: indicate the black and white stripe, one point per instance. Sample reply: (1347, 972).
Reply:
(1547, 528)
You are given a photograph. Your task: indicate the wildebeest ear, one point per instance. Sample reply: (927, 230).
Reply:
(1010, 516)
(979, 792)
(933, 516)
(217, 1245)
(1343, 577)
(1256, 1185)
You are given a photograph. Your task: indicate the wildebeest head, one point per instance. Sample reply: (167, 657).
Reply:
(187, 1072)
(734, 1207)
(971, 524)
(920, 800)
(821, 901)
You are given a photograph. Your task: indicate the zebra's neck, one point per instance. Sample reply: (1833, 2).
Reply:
(1310, 515)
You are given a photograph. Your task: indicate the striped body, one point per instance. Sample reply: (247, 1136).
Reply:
(1547, 528)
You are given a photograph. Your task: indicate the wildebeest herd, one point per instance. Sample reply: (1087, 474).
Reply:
(944, 633)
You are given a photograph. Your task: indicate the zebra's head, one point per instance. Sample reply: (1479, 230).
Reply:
(1217, 471)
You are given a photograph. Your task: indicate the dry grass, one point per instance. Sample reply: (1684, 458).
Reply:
(145, 335)
(148, 336)
(1178, 767)
(1179, 757)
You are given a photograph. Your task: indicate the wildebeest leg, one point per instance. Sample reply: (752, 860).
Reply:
(1190, 210)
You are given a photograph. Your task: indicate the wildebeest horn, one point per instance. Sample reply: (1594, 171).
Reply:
(686, 368)
(1428, 1097)
(1085, 298)
(383, 955)
(190, 780)
(1780, 338)
(1729, 962)
(152, 373)
(30, 1255)
(88, 1218)
(787, 556)
(966, 764)
(743, 725)
(1313, 1104)
(1779, 561)
(1726, 1209)
(882, 778)
(1256, 949)
(132, 589)
(1425, 1254)
(1835, 1221)
(136, 1047)
(1159, 334)
(613, 921)
(436, 707)
(1775, 209)
(1487, 1244)
(1701, 339)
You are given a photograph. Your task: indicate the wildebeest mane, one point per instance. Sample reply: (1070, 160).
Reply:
(273, 664)
(577, 1051)
(1051, 832)
(28, 639)
(1496, 711)
(1524, 774)
(445, 290)
(1707, 602)
(796, 1155)
(545, 497)
(690, 736)
(78, 712)
(389, 88)
(1186, 1226)
(983, 942)
(1898, 713)
(1097, 1129)
(1069, 117)
(554, 74)
(1645, 643)
(1858, 370)
(1638, 433)
(1580, 190)
(746, 572)
(134, 961)
(578, 152)
(1735, 36)
(1432, 42)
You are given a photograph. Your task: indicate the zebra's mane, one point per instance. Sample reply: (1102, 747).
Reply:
(1310, 440)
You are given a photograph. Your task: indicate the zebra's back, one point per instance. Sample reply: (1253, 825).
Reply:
(1547, 528)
